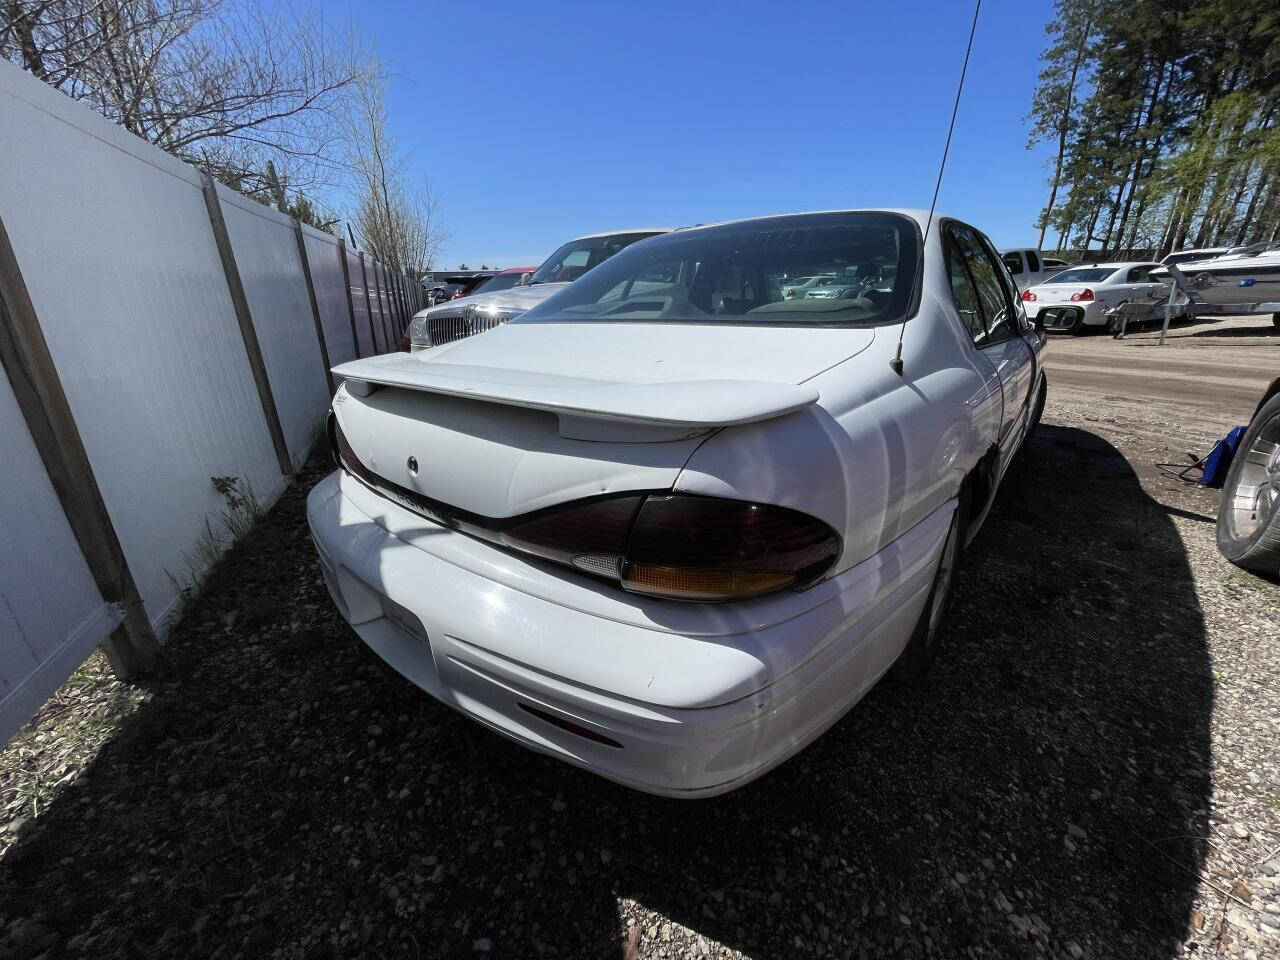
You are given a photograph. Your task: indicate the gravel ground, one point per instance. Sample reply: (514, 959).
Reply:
(1090, 771)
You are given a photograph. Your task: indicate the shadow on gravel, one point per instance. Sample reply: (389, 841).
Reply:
(283, 794)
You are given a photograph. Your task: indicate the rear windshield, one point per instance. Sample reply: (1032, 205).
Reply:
(1082, 275)
(758, 271)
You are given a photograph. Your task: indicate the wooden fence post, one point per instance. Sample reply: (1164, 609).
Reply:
(397, 318)
(405, 315)
(311, 295)
(398, 301)
(351, 307)
(240, 302)
(132, 648)
(368, 305)
(377, 290)
(394, 301)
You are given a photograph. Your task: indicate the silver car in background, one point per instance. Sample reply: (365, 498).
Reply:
(467, 316)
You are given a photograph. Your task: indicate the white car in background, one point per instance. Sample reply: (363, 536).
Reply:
(800, 286)
(1079, 297)
(668, 525)
(482, 311)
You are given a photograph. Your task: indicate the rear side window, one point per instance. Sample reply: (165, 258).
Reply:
(1033, 261)
(965, 297)
(966, 252)
(1141, 274)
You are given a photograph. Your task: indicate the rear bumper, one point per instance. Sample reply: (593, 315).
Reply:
(497, 653)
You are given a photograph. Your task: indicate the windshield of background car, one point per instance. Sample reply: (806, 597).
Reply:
(502, 281)
(578, 256)
(1090, 275)
(735, 273)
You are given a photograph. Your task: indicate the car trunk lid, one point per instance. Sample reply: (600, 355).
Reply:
(530, 415)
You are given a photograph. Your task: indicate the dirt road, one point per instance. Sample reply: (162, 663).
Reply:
(1205, 379)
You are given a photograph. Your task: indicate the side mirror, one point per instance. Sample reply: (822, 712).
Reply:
(1038, 321)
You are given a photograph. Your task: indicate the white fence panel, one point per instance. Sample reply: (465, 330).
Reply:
(114, 242)
(331, 296)
(267, 257)
(51, 613)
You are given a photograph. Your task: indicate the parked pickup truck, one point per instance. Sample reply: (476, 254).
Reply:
(1028, 266)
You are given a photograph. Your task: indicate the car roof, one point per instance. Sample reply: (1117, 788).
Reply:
(611, 233)
(921, 216)
(517, 270)
(1115, 265)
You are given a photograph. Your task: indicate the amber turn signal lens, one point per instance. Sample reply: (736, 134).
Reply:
(684, 583)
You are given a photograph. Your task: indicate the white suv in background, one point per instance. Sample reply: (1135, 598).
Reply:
(466, 316)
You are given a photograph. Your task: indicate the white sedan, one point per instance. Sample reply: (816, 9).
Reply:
(667, 525)
(793, 289)
(1079, 297)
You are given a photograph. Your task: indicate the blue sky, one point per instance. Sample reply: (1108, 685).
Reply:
(538, 121)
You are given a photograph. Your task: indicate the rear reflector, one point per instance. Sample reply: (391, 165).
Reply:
(570, 727)
(684, 583)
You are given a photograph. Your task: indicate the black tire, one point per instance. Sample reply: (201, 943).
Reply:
(1275, 319)
(1249, 512)
(917, 657)
(1037, 411)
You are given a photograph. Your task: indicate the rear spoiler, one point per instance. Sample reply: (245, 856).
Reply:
(589, 409)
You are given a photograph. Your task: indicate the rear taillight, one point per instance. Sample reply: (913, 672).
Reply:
(590, 536)
(660, 544)
(1028, 296)
(683, 547)
(1085, 294)
(705, 548)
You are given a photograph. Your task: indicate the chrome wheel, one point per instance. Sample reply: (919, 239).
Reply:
(1257, 490)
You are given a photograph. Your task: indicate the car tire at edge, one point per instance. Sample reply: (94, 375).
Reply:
(1257, 548)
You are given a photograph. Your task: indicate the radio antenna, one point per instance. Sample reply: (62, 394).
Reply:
(896, 362)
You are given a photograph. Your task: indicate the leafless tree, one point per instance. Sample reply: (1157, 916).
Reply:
(399, 222)
(226, 84)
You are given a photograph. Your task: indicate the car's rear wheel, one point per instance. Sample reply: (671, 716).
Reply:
(922, 649)
(1249, 514)
(1275, 319)
(1037, 410)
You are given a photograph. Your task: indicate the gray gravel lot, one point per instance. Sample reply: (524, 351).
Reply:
(1091, 771)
